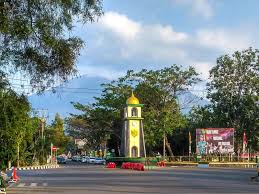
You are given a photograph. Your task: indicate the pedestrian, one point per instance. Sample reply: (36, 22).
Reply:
(3, 180)
(4, 175)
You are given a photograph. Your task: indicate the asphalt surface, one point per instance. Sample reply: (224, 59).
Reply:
(84, 178)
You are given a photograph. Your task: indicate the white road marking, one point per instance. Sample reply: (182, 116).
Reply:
(21, 185)
(33, 184)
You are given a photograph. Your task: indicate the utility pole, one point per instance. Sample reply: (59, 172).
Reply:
(164, 147)
(42, 114)
(51, 153)
(18, 155)
(42, 136)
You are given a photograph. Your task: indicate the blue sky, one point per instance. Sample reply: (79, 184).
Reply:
(153, 34)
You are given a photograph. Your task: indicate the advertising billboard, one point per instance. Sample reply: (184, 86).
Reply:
(215, 141)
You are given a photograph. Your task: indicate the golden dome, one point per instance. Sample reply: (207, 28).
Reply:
(132, 100)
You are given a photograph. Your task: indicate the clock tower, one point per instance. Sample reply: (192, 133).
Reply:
(132, 144)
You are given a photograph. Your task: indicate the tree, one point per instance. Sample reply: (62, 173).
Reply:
(35, 36)
(158, 90)
(55, 134)
(234, 96)
(16, 126)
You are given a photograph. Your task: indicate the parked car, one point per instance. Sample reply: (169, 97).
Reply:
(85, 159)
(91, 160)
(61, 160)
(100, 161)
(76, 158)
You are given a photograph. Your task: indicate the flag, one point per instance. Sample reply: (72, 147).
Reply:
(244, 142)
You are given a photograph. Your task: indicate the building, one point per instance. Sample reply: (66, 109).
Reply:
(133, 144)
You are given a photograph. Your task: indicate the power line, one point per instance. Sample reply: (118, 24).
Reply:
(96, 89)
(58, 87)
(78, 88)
(79, 92)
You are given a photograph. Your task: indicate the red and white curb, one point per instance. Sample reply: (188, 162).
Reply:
(36, 167)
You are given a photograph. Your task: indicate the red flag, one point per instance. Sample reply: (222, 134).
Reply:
(244, 138)
(244, 142)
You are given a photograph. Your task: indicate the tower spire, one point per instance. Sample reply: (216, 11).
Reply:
(132, 99)
(132, 92)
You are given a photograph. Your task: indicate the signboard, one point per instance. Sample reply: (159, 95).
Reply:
(215, 141)
(54, 148)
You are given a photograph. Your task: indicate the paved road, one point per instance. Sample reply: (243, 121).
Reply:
(96, 179)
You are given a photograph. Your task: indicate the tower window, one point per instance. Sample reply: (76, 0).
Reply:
(134, 112)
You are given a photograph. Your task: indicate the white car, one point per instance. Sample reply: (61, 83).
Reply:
(85, 159)
(100, 161)
(91, 160)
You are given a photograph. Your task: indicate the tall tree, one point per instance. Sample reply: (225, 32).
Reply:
(36, 38)
(234, 94)
(15, 125)
(159, 91)
(55, 134)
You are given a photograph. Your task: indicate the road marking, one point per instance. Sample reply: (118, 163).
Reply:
(21, 185)
(33, 184)
(45, 184)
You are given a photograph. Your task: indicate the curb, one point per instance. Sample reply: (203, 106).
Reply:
(36, 167)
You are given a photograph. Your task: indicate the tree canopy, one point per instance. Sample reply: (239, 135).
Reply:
(55, 134)
(36, 38)
(234, 95)
(16, 125)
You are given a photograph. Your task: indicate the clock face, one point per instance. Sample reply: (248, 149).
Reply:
(134, 123)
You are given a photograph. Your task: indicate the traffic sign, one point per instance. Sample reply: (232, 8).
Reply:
(54, 148)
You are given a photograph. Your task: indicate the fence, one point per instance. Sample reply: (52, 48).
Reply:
(188, 160)
(212, 158)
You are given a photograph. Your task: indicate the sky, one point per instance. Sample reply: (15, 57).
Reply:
(152, 34)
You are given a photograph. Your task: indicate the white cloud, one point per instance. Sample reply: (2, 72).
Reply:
(132, 39)
(167, 34)
(224, 40)
(120, 24)
(203, 69)
(92, 71)
(128, 29)
(199, 7)
(118, 43)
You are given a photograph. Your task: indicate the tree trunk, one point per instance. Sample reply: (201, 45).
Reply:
(167, 144)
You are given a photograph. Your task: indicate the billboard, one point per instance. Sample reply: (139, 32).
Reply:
(215, 141)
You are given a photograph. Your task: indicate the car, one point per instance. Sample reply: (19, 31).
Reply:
(85, 159)
(76, 158)
(91, 160)
(61, 160)
(100, 161)
(79, 159)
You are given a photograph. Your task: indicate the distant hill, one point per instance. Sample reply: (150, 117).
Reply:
(82, 90)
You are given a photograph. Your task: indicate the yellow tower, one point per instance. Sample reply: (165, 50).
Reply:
(132, 134)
